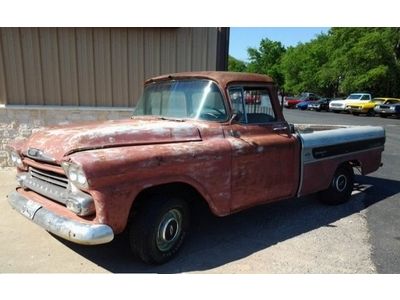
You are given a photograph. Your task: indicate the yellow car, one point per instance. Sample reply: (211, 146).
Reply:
(367, 107)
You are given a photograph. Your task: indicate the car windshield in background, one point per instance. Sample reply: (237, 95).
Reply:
(183, 99)
(303, 97)
(354, 97)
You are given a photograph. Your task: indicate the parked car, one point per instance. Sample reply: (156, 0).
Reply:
(303, 105)
(391, 107)
(322, 104)
(252, 98)
(341, 105)
(292, 102)
(147, 174)
(368, 107)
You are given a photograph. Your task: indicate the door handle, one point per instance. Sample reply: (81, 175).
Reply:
(281, 128)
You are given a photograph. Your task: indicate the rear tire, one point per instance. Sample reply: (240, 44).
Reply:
(159, 228)
(340, 188)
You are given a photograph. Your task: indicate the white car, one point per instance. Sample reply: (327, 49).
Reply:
(341, 105)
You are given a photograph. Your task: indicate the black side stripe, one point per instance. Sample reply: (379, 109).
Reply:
(345, 148)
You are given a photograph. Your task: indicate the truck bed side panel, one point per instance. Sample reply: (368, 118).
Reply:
(324, 149)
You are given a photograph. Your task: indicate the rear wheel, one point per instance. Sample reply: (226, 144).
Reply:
(371, 113)
(158, 229)
(339, 191)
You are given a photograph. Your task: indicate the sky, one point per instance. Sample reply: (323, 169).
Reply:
(243, 37)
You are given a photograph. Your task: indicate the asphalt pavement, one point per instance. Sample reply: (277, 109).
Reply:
(382, 199)
(291, 236)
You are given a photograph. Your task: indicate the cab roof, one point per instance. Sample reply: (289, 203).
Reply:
(221, 78)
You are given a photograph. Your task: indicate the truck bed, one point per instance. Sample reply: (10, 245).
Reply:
(325, 146)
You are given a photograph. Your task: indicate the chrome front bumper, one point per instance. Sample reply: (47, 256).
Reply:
(74, 231)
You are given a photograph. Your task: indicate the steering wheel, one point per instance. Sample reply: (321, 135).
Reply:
(215, 114)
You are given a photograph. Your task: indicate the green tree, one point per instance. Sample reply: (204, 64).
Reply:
(236, 65)
(302, 64)
(267, 59)
(363, 59)
(342, 61)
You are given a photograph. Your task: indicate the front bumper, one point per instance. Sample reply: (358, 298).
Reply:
(72, 230)
(387, 112)
(357, 110)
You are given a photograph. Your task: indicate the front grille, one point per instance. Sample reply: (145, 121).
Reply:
(48, 184)
(336, 104)
(51, 177)
(384, 106)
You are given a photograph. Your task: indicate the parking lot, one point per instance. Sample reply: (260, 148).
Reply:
(292, 236)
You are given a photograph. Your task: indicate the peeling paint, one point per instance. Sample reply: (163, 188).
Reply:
(233, 166)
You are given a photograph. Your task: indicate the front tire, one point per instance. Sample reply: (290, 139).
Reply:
(158, 229)
(340, 188)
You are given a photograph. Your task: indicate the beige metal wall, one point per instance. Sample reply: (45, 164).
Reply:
(96, 66)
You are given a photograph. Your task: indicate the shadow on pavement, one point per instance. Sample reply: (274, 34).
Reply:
(215, 241)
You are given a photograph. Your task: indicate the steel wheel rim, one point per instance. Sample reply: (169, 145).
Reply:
(341, 183)
(169, 230)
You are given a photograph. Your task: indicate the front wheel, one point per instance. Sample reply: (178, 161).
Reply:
(339, 191)
(158, 229)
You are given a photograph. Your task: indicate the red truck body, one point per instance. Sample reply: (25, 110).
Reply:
(231, 164)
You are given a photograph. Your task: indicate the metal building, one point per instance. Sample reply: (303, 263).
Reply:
(99, 66)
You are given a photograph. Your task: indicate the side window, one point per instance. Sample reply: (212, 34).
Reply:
(365, 97)
(254, 103)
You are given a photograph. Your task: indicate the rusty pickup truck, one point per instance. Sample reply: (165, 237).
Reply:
(192, 138)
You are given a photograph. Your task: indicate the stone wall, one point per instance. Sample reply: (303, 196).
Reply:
(19, 121)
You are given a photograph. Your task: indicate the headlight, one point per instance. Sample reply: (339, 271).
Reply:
(75, 173)
(16, 159)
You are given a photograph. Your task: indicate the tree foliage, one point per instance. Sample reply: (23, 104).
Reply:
(342, 61)
(266, 59)
(236, 65)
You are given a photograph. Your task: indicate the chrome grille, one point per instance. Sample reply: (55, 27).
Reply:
(336, 104)
(46, 183)
(50, 177)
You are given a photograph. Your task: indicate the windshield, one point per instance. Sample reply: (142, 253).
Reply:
(193, 99)
(354, 96)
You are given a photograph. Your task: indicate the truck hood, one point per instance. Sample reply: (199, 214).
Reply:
(57, 142)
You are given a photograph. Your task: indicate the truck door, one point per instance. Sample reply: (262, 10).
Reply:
(265, 164)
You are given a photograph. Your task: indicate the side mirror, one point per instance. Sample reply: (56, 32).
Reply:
(292, 130)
